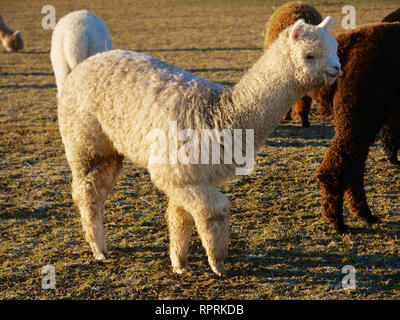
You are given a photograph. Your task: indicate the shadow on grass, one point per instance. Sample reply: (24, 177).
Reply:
(34, 52)
(9, 211)
(26, 74)
(296, 260)
(324, 133)
(34, 86)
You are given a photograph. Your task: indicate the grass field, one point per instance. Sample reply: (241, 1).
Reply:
(281, 247)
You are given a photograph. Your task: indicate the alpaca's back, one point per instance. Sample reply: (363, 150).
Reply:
(76, 37)
(130, 94)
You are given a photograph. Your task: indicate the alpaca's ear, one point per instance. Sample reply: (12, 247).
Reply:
(297, 29)
(327, 23)
(16, 33)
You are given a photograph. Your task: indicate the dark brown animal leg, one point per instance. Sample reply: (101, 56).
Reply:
(390, 133)
(356, 198)
(302, 108)
(289, 115)
(332, 176)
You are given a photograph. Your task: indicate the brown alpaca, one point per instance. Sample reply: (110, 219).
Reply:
(370, 63)
(390, 131)
(282, 18)
(11, 40)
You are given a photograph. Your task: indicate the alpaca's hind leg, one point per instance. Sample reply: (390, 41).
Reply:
(355, 194)
(302, 108)
(333, 176)
(180, 225)
(89, 191)
(210, 211)
(340, 172)
(390, 133)
(288, 116)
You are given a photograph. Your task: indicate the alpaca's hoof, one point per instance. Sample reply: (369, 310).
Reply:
(305, 124)
(219, 268)
(181, 270)
(341, 228)
(372, 220)
(394, 161)
(101, 256)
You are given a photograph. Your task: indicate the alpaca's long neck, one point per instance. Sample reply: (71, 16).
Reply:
(5, 30)
(264, 94)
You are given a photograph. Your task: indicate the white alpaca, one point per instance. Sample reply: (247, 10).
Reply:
(111, 102)
(77, 36)
(11, 40)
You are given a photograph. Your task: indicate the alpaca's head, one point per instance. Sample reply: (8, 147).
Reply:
(313, 52)
(14, 42)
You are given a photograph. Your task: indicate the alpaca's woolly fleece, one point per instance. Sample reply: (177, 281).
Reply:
(371, 64)
(77, 36)
(286, 15)
(11, 39)
(111, 101)
(283, 17)
(390, 131)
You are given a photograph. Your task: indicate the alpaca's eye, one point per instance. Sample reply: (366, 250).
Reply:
(310, 57)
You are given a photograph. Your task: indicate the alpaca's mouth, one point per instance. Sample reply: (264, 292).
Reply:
(333, 75)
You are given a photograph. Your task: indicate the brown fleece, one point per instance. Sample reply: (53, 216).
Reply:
(363, 100)
(390, 132)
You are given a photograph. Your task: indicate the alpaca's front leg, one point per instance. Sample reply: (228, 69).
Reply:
(92, 223)
(332, 176)
(210, 211)
(180, 225)
(214, 234)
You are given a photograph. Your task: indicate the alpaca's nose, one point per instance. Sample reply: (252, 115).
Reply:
(337, 68)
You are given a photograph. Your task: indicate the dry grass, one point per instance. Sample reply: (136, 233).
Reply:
(281, 247)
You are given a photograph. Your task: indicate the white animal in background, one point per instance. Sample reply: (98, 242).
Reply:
(110, 103)
(77, 36)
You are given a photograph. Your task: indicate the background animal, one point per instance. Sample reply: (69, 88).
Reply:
(362, 100)
(390, 131)
(284, 16)
(77, 36)
(11, 39)
(112, 101)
